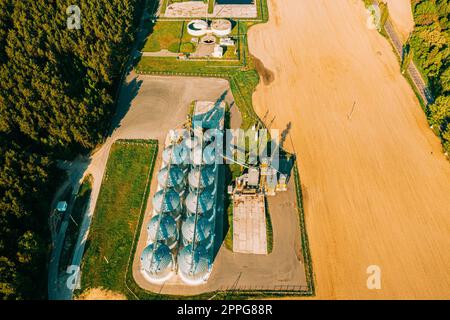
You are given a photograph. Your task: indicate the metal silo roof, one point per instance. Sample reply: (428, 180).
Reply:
(202, 232)
(205, 201)
(167, 228)
(171, 178)
(157, 261)
(193, 264)
(201, 177)
(166, 201)
(200, 156)
(176, 154)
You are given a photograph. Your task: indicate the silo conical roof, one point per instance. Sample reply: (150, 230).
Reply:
(205, 201)
(166, 201)
(176, 154)
(202, 232)
(157, 261)
(167, 229)
(193, 263)
(201, 177)
(171, 178)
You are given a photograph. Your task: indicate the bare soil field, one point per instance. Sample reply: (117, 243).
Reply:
(375, 182)
(401, 14)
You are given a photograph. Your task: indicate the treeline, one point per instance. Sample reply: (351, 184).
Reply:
(430, 44)
(57, 89)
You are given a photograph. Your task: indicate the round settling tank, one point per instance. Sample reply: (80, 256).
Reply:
(197, 28)
(221, 27)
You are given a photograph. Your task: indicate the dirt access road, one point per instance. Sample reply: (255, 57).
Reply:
(375, 181)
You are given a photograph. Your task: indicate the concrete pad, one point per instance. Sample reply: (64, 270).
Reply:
(249, 224)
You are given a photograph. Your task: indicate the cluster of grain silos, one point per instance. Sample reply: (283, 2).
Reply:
(181, 232)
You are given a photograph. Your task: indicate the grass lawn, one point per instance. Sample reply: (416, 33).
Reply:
(122, 198)
(165, 35)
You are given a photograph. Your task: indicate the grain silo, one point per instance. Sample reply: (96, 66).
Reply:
(157, 263)
(172, 177)
(163, 228)
(201, 178)
(203, 231)
(193, 263)
(201, 203)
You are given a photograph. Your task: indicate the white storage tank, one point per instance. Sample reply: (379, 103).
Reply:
(221, 27)
(163, 228)
(205, 203)
(167, 201)
(176, 154)
(201, 177)
(173, 177)
(203, 231)
(193, 264)
(197, 28)
(201, 156)
(157, 263)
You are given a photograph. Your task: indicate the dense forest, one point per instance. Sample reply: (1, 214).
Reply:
(430, 44)
(57, 89)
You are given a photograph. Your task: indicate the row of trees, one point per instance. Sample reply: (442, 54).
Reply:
(430, 42)
(57, 88)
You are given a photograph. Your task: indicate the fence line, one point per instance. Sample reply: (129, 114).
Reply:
(412, 70)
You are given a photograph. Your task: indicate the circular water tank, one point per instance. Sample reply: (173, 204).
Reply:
(168, 232)
(201, 177)
(193, 264)
(172, 178)
(197, 28)
(157, 262)
(221, 27)
(206, 156)
(175, 154)
(205, 202)
(203, 231)
(167, 202)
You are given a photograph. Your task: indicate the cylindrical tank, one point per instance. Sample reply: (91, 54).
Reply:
(201, 178)
(167, 201)
(176, 154)
(197, 28)
(191, 142)
(157, 263)
(163, 228)
(193, 264)
(201, 156)
(205, 203)
(173, 177)
(221, 27)
(203, 231)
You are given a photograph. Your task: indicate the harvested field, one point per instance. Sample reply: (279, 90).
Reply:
(375, 182)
